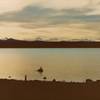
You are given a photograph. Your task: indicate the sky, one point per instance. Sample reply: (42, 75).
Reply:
(52, 20)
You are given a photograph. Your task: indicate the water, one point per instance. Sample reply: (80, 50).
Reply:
(63, 64)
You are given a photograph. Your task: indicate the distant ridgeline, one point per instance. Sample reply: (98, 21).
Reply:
(12, 43)
(49, 90)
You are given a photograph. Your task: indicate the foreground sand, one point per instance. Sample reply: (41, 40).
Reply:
(43, 90)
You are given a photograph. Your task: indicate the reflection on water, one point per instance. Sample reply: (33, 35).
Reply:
(62, 64)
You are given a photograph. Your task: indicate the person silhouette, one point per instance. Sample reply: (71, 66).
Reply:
(40, 70)
(9, 77)
(25, 77)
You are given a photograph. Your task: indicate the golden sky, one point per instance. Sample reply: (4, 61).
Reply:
(50, 19)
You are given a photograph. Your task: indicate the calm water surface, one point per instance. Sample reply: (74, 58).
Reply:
(62, 64)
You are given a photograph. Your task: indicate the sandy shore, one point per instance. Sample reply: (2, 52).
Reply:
(43, 90)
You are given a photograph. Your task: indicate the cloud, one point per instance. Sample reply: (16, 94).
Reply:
(14, 5)
(43, 10)
(51, 19)
(71, 4)
(36, 14)
(29, 13)
(64, 4)
(65, 31)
